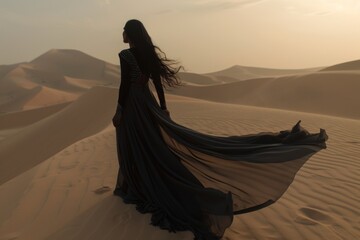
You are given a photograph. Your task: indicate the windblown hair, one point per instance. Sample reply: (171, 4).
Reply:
(155, 62)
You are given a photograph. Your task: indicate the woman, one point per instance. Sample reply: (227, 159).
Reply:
(186, 179)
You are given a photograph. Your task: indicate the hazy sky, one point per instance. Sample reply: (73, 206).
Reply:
(205, 35)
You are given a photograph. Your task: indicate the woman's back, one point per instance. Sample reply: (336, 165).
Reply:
(141, 61)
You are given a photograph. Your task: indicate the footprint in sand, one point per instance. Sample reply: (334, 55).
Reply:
(102, 190)
(312, 216)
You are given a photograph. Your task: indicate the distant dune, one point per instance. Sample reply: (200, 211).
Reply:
(236, 73)
(198, 79)
(331, 93)
(239, 73)
(37, 97)
(347, 66)
(56, 76)
(4, 69)
(72, 63)
(61, 75)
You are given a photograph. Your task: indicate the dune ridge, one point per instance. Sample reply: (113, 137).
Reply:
(237, 72)
(346, 66)
(64, 73)
(27, 117)
(330, 93)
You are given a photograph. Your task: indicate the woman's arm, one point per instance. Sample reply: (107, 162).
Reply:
(159, 90)
(123, 89)
(125, 81)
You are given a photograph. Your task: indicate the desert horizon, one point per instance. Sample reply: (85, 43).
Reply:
(57, 76)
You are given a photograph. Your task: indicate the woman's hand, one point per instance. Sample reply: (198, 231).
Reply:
(116, 119)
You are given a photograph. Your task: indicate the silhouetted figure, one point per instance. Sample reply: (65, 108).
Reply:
(186, 179)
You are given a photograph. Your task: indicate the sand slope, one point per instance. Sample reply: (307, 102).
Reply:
(27, 117)
(198, 79)
(346, 66)
(239, 73)
(46, 137)
(57, 76)
(66, 193)
(72, 63)
(332, 93)
(236, 73)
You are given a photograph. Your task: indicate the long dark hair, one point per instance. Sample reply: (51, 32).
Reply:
(156, 63)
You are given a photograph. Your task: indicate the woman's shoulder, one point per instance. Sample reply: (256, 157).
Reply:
(124, 52)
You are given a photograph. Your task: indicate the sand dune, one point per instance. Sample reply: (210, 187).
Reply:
(36, 97)
(236, 73)
(72, 63)
(27, 117)
(76, 121)
(239, 73)
(54, 80)
(56, 76)
(331, 93)
(5, 69)
(197, 79)
(347, 66)
(64, 190)
(49, 96)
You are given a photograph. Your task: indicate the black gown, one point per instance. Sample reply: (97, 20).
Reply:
(192, 181)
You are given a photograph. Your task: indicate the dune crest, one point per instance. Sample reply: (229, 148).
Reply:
(237, 72)
(57, 76)
(329, 93)
(352, 66)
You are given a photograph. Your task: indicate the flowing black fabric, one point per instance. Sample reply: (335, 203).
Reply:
(189, 180)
